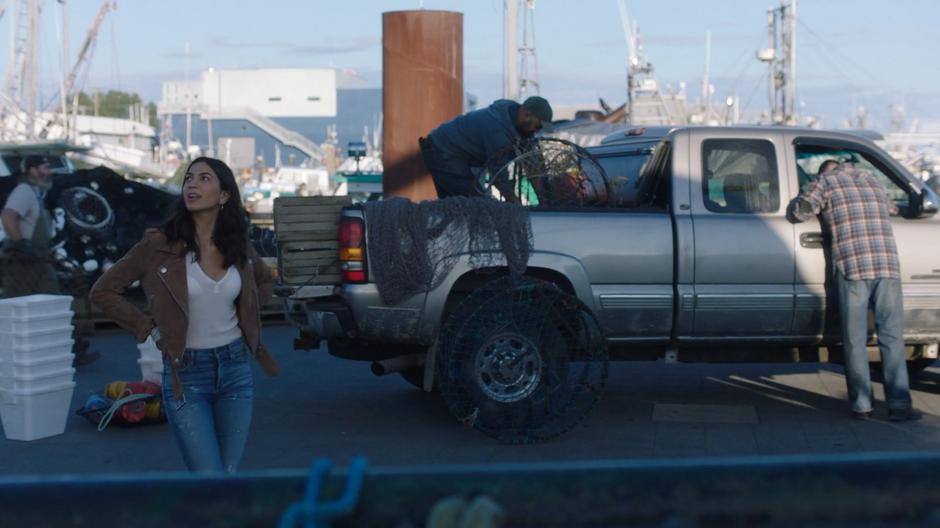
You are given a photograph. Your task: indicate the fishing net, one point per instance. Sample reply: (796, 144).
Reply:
(414, 246)
(521, 360)
(549, 172)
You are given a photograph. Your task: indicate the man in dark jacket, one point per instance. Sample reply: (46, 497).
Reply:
(482, 138)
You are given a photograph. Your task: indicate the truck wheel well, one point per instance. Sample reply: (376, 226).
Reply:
(472, 280)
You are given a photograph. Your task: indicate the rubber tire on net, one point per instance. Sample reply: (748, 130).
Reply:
(89, 213)
(569, 352)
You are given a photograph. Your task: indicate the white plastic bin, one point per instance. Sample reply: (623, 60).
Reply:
(35, 338)
(32, 323)
(36, 367)
(31, 382)
(36, 413)
(151, 370)
(31, 305)
(32, 353)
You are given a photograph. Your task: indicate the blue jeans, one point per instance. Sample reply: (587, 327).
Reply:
(211, 421)
(885, 298)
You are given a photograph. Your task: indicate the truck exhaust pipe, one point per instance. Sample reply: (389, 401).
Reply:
(397, 364)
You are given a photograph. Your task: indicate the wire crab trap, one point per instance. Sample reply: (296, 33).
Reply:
(549, 172)
(521, 361)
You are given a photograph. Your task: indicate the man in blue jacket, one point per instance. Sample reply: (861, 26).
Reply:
(482, 138)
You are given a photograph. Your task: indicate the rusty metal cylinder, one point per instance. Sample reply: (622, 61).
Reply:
(422, 86)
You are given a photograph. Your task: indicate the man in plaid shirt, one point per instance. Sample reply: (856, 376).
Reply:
(856, 209)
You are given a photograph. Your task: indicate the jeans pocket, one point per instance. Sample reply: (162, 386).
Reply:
(239, 354)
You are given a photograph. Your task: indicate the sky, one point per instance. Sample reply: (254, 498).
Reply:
(851, 53)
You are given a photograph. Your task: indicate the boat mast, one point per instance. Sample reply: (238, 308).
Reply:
(63, 94)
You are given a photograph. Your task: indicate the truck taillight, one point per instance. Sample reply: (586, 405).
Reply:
(352, 250)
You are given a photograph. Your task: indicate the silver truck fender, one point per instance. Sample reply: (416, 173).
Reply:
(565, 265)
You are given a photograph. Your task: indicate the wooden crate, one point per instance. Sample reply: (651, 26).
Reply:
(308, 249)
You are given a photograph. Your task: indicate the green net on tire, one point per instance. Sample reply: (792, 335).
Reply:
(521, 360)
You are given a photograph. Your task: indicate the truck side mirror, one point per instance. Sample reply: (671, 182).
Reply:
(922, 204)
(928, 202)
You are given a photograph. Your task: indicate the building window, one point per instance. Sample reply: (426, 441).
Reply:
(313, 98)
(274, 99)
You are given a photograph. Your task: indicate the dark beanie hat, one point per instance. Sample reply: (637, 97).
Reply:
(539, 107)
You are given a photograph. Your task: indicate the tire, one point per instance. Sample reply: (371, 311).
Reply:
(916, 367)
(521, 361)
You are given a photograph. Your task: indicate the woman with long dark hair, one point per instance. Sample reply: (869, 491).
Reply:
(205, 285)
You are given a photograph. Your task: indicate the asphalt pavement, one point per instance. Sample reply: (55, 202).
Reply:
(322, 406)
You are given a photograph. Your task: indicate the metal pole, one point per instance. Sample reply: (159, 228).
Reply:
(65, 69)
(29, 67)
(189, 96)
(510, 67)
(791, 78)
(772, 64)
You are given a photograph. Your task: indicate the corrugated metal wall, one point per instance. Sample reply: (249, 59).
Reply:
(422, 76)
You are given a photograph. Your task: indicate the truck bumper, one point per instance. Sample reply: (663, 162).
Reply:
(322, 318)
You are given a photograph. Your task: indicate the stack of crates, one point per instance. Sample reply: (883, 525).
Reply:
(35, 365)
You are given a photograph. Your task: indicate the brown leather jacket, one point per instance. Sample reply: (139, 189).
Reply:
(161, 269)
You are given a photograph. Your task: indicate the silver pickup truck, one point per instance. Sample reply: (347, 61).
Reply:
(692, 257)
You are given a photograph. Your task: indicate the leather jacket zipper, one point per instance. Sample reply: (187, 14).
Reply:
(178, 303)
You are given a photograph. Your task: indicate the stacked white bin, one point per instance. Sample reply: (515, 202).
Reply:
(35, 365)
(151, 361)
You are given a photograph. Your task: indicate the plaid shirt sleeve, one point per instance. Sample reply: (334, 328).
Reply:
(889, 203)
(817, 197)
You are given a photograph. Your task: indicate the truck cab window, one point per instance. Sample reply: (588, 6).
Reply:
(809, 158)
(623, 171)
(740, 176)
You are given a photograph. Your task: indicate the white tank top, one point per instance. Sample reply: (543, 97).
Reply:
(213, 321)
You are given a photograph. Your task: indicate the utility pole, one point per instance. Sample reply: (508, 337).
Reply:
(780, 57)
(510, 71)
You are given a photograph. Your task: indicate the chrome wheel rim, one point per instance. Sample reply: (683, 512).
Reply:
(508, 368)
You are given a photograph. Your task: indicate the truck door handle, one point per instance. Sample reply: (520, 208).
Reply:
(811, 240)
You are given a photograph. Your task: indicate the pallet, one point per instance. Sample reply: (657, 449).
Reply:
(308, 249)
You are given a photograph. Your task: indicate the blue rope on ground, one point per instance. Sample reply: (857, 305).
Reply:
(312, 514)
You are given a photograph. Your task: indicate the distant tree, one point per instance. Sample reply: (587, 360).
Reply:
(115, 103)
(152, 115)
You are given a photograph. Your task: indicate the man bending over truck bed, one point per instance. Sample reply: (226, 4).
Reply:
(473, 140)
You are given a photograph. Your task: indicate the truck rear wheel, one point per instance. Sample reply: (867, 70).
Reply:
(521, 360)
